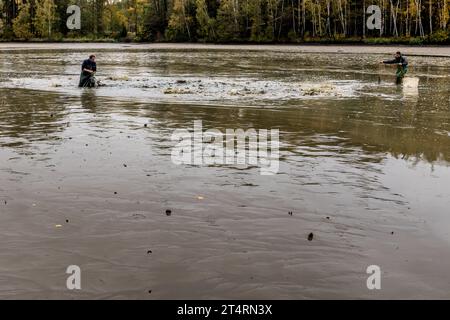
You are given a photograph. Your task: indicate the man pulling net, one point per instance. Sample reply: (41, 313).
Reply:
(402, 66)
(88, 70)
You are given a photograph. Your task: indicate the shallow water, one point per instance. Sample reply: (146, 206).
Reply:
(364, 166)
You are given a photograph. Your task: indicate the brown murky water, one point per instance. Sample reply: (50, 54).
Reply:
(364, 166)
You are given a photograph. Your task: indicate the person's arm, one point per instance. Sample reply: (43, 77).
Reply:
(394, 61)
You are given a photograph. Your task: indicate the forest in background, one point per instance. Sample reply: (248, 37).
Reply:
(258, 21)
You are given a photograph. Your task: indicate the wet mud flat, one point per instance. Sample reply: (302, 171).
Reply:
(86, 176)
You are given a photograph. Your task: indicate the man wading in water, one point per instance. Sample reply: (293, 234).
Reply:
(88, 69)
(402, 66)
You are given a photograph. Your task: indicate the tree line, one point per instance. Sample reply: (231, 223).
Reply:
(413, 21)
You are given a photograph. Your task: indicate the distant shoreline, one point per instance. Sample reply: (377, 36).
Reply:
(435, 51)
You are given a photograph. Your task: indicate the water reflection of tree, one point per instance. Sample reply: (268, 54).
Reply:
(29, 116)
(405, 129)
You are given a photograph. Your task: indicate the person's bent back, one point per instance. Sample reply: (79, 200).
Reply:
(88, 69)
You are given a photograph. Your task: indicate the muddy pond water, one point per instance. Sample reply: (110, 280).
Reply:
(86, 176)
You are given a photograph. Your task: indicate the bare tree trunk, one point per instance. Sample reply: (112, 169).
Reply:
(394, 13)
(328, 18)
(430, 14)
(183, 5)
(235, 14)
(445, 15)
(407, 23)
(281, 19)
(303, 17)
(293, 16)
(319, 17)
(342, 17)
(419, 17)
(364, 19)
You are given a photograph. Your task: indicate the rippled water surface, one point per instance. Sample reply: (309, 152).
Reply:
(86, 176)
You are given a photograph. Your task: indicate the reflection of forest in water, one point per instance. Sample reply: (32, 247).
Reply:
(417, 128)
(29, 116)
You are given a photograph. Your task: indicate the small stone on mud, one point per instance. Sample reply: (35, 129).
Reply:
(145, 125)
(181, 81)
(311, 236)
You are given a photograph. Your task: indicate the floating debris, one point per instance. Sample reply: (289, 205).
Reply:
(119, 78)
(311, 236)
(177, 91)
(325, 89)
(168, 212)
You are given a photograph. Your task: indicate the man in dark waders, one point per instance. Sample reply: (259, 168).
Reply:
(88, 69)
(402, 66)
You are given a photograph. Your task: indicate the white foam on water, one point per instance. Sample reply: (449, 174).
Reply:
(199, 89)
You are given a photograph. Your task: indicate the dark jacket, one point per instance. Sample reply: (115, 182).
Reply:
(401, 60)
(90, 65)
(87, 79)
